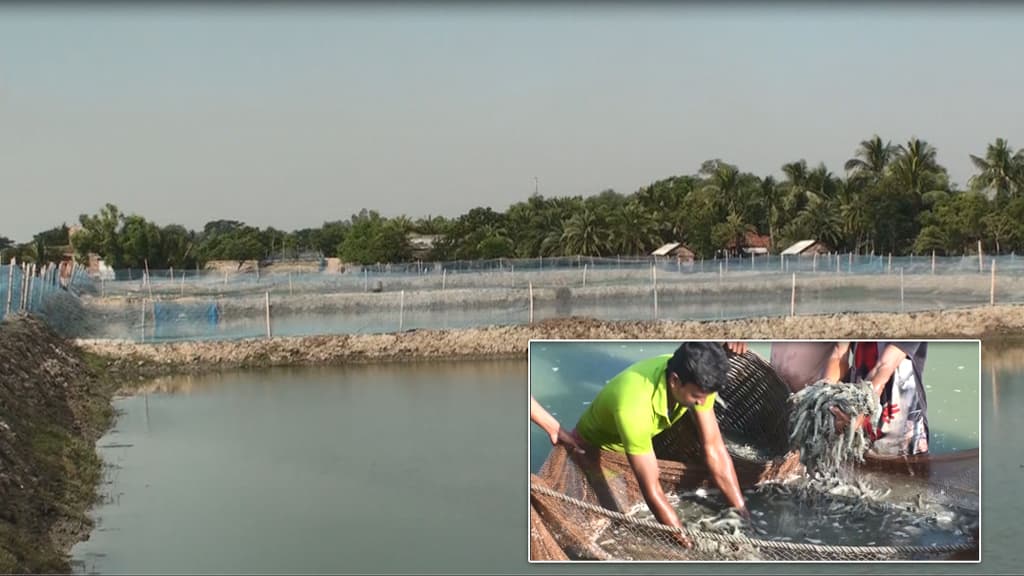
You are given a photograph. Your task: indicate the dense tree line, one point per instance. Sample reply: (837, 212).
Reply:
(891, 198)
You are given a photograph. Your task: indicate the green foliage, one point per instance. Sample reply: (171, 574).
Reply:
(373, 239)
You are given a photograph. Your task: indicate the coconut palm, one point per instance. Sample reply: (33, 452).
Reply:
(871, 159)
(634, 230)
(915, 166)
(724, 182)
(585, 234)
(771, 195)
(1000, 170)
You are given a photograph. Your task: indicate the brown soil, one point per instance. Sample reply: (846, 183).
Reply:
(53, 408)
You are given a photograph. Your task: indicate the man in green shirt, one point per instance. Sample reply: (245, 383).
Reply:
(649, 397)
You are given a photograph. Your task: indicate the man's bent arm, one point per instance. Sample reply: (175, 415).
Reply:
(645, 466)
(718, 459)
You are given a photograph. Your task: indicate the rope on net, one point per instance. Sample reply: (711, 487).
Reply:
(823, 549)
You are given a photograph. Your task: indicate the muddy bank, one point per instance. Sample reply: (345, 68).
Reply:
(53, 408)
(512, 341)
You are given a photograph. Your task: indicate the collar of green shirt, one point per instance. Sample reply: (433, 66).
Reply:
(659, 400)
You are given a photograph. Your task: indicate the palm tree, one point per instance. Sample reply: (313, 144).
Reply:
(724, 182)
(1000, 170)
(914, 164)
(634, 230)
(871, 159)
(732, 233)
(584, 234)
(771, 194)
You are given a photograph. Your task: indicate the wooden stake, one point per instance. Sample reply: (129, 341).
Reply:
(401, 310)
(444, 278)
(531, 302)
(654, 281)
(981, 261)
(792, 298)
(814, 264)
(890, 263)
(584, 275)
(933, 261)
(143, 339)
(992, 288)
(849, 267)
(289, 283)
(267, 296)
(901, 289)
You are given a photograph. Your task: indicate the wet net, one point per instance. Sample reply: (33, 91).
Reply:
(590, 507)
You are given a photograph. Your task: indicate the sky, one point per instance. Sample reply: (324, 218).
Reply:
(292, 115)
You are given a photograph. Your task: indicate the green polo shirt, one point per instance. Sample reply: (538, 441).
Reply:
(633, 408)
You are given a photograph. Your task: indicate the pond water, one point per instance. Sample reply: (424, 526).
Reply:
(402, 468)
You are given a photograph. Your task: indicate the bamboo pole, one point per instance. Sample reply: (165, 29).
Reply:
(981, 261)
(401, 310)
(444, 278)
(719, 272)
(654, 282)
(890, 263)
(10, 286)
(792, 297)
(901, 289)
(172, 273)
(28, 289)
(267, 296)
(24, 287)
(849, 267)
(289, 283)
(933, 261)
(584, 275)
(814, 263)
(143, 339)
(992, 287)
(531, 302)
(182, 282)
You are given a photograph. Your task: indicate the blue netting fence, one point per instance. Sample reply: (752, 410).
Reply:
(250, 300)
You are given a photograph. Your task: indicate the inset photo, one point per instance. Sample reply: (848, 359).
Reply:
(755, 451)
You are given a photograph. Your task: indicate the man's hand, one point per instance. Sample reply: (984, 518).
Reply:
(682, 540)
(737, 347)
(843, 420)
(568, 440)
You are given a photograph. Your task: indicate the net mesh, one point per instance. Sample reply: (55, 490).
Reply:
(585, 506)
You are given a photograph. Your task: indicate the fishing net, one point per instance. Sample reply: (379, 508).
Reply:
(590, 507)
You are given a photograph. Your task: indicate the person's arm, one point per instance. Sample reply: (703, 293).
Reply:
(718, 459)
(645, 466)
(547, 423)
(879, 376)
(838, 363)
(883, 371)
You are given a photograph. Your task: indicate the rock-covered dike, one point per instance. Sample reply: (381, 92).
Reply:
(132, 359)
(53, 408)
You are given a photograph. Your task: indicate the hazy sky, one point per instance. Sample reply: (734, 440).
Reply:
(290, 116)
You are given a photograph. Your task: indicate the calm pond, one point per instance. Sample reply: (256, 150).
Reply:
(417, 467)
